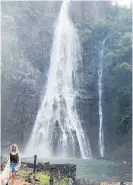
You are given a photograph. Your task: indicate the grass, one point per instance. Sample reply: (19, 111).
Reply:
(62, 182)
(23, 173)
(43, 178)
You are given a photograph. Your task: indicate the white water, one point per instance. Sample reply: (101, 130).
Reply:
(100, 91)
(4, 176)
(57, 130)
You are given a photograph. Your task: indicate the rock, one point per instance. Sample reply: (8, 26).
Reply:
(33, 179)
(70, 181)
(116, 183)
(85, 181)
(26, 179)
(36, 179)
(23, 166)
(68, 170)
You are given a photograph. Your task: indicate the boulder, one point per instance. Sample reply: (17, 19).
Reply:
(85, 181)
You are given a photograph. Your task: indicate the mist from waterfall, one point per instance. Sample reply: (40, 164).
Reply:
(100, 91)
(57, 130)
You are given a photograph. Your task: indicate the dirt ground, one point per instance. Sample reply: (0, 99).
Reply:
(17, 182)
(20, 182)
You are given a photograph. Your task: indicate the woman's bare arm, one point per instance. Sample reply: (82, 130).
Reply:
(19, 160)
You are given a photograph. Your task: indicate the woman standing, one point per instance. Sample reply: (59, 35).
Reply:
(15, 162)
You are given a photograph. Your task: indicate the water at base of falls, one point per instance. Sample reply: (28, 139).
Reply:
(57, 131)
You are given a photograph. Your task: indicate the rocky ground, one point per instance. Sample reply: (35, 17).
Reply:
(55, 175)
(25, 178)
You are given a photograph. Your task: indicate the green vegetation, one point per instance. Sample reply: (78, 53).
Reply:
(63, 181)
(43, 178)
(116, 27)
(23, 173)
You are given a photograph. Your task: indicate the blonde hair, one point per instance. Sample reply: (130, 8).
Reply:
(16, 146)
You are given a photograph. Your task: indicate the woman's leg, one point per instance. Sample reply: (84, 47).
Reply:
(10, 176)
(9, 179)
(13, 178)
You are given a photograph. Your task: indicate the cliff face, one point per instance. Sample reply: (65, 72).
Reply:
(27, 34)
(106, 23)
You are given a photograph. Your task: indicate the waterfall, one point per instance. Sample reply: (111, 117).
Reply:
(57, 130)
(100, 76)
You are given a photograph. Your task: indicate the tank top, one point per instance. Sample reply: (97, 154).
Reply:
(14, 158)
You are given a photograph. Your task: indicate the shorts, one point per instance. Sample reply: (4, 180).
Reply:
(13, 168)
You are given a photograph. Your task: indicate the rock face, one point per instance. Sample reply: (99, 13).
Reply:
(67, 170)
(27, 34)
(115, 183)
(86, 181)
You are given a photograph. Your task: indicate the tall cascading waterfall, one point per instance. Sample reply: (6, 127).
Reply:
(100, 91)
(57, 130)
